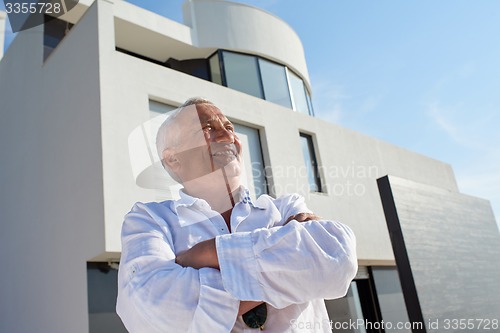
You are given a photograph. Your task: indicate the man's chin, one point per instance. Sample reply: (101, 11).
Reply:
(233, 168)
(222, 160)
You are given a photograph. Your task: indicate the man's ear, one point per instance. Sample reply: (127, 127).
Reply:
(170, 159)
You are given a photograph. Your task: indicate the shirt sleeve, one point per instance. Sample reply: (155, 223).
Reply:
(157, 295)
(289, 264)
(290, 205)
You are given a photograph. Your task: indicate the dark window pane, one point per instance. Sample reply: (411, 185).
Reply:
(215, 69)
(194, 67)
(298, 93)
(311, 163)
(102, 291)
(242, 73)
(274, 82)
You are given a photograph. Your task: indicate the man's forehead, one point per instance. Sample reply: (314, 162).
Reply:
(208, 113)
(202, 113)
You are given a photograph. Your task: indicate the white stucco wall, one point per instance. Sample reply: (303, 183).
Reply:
(51, 180)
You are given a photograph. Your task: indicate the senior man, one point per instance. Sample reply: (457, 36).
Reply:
(215, 261)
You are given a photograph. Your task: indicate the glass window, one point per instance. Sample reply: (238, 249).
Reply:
(390, 297)
(252, 160)
(242, 73)
(346, 310)
(274, 82)
(311, 163)
(158, 108)
(215, 73)
(102, 291)
(260, 78)
(309, 104)
(298, 93)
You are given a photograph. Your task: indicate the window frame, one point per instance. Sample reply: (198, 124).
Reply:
(263, 152)
(222, 67)
(285, 69)
(310, 138)
(224, 72)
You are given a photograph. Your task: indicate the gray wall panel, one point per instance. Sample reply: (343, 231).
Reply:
(453, 249)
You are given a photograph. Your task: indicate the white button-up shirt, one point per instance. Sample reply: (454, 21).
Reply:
(292, 267)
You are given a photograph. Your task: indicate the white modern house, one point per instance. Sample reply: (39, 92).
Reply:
(80, 100)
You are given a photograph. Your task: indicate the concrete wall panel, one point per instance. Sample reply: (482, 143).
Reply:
(453, 255)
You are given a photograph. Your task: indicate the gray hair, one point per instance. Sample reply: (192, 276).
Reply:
(169, 135)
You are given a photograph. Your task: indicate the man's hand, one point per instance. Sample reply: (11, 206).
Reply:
(303, 217)
(203, 254)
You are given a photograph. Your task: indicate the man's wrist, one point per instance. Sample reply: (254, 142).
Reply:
(211, 252)
(203, 254)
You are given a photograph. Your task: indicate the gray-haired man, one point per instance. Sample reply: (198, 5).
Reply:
(199, 263)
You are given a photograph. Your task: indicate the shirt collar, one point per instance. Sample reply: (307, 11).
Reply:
(186, 200)
(246, 199)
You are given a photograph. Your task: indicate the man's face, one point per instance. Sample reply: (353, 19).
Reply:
(208, 143)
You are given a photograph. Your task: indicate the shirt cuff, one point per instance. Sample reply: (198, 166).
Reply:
(217, 310)
(238, 266)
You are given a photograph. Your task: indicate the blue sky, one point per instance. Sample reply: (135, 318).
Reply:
(421, 74)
